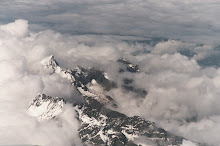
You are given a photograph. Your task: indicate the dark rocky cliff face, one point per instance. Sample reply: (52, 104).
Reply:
(102, 126)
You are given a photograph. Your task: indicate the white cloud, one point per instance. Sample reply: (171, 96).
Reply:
(182, 96)
(20, 81)
(18, 28)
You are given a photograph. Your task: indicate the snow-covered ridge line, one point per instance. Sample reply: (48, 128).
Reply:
(51, 63)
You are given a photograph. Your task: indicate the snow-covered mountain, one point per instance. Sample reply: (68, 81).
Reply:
(45, 107)
(99, 124)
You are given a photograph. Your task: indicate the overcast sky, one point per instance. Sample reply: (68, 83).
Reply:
(190, 20)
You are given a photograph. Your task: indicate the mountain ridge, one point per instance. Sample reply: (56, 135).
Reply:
(99, 124)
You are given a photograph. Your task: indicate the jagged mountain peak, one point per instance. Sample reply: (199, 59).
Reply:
(50, 62)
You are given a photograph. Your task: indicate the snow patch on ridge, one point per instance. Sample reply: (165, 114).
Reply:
(45, 107)
(51, 64)
(188, 143)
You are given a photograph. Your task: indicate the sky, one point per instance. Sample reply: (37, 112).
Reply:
(175, 44)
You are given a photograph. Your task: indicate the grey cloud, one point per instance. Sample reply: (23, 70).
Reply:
(186, 20)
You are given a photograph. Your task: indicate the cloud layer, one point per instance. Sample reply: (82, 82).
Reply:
(183, 96)
(187, 20)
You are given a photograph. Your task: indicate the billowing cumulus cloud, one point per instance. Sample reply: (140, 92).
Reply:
(21, 80)
(183, 95)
